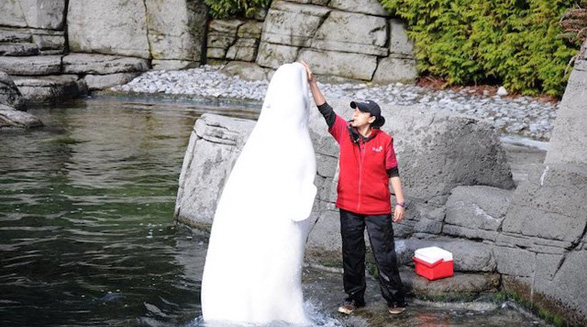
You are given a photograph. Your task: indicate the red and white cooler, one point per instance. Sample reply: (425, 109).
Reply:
(433, 263)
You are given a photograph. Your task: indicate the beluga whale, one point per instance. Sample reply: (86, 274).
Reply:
(253, 268)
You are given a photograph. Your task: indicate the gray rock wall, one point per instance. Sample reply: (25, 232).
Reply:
(433, 149)
(113, 27)
(43, 14)
(568, 143)
(341, 39)
(542, 239)
(108, 42)
(543, 235)
(234, 40)
(150, 29)
(348, 39)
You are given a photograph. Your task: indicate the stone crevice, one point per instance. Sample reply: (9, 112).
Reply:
(150, 49)
(560, 265)
(579, 240)
(65, 29)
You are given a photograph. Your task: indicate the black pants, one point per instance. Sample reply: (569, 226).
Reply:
(380, 231)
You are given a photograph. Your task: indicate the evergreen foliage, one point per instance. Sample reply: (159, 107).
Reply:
(236, 8)
(516, 43)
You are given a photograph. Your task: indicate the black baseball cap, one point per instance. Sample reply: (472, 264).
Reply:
(371, 107)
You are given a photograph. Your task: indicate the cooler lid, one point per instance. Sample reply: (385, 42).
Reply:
(433, 254)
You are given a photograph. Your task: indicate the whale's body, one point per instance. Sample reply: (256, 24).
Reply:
(254, 262)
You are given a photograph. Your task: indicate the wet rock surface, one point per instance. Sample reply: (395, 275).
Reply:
(324, 291)
(10, 117)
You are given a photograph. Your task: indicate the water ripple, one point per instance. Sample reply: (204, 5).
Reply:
(86, 219)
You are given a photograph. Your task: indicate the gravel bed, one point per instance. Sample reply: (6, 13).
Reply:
(523, 116)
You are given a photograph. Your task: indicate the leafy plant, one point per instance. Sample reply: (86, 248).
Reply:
(236, 8)
(516, 43)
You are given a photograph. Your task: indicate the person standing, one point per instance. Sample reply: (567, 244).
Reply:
(367, 165)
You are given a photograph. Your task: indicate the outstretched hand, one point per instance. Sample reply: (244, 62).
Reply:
(308, 72)
(316, 94)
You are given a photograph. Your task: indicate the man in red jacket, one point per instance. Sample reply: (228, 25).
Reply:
(367, 164)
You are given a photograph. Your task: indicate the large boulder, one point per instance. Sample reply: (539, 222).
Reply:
(292, 24)
(400, 65)
(117, 27)
(80, 63)
(222, 34)
(213, 149)
(10, 117)
(48, 42)
(468, 256)
(245, 47)
(46, 14)
(437, 151)
(550, 205)
(567, 287)
(176, 29)
(49, 89)
(152, 29)
(9, 93)
(341, 39)
(476, 212)
(335, 42)
(273, 55)
(568, 143)
(234, 40)
(542, 243)
(457, 287)
(345, 64)
(27, 66)
(98, 82)
(19, 49)
(352, 32)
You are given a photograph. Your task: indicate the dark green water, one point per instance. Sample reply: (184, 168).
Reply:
(87, 234)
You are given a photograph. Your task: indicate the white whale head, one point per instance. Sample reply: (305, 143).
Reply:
(286, 94)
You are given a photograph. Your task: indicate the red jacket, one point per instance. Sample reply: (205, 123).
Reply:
(363, 182)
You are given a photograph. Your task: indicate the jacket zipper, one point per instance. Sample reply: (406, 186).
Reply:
(360, 173)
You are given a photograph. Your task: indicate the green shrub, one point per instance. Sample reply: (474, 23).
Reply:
(236, 8)
(516, 43)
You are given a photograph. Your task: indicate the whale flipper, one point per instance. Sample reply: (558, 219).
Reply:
(305, 202)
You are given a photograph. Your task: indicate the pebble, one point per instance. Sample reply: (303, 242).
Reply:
(523, 116)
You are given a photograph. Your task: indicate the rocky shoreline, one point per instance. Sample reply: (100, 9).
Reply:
(524, 116)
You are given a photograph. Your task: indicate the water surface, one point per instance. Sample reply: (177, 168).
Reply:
(87, 234)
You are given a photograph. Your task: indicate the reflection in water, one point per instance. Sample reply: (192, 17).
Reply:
(86, 227)
(431, 320)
